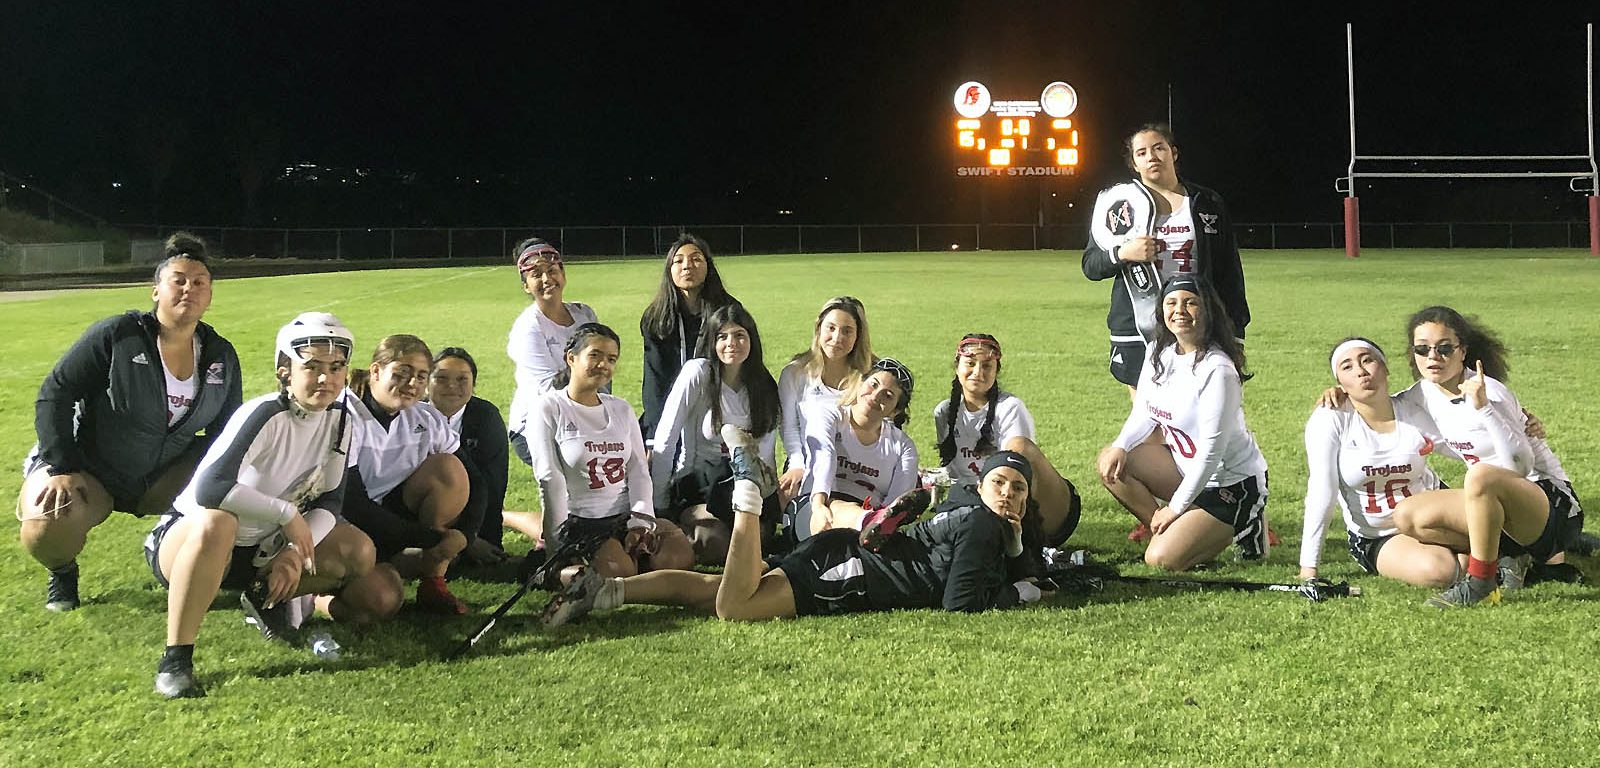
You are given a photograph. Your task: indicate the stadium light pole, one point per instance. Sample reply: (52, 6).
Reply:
(1352, 206)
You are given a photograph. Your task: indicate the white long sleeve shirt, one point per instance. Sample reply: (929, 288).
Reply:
(1496, 433)
(1199, 409)
(386, 456)
(536, 344)
(1011, 419)
(588, 459)
(800, 394)
(1366, 471)
(686, 440)
(839, 463)
(272, 461)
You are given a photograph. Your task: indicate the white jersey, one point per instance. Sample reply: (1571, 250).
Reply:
(1367, 471)
(1496, 434)
(589, 459)
(1011, 419)
(1175, 230)
(685, 438)
(800, 394)
(386, 456)
(180, 395)
(840, 464)
(536, 344)
(1199, 409)
(273, 460)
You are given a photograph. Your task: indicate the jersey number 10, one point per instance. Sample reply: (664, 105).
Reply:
(1399, 485)
(606, 472)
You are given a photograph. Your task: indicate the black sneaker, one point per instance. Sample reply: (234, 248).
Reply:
(179, 684)
(62, 593)
(273, 622)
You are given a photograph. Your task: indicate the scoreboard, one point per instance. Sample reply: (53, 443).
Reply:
(1017, 137)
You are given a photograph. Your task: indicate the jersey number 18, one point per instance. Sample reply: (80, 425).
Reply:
(605, 472)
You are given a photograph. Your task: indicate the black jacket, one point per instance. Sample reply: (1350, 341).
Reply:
(1215, 250)
(111, 382)
(483, 436)
(663, 359)
(956, 560)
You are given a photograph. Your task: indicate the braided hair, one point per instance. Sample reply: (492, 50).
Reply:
(581, 337)
(947, 446)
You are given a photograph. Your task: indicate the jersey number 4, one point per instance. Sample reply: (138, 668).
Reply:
(605, 472)
(1394, 491)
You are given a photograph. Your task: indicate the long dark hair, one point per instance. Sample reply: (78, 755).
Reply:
(758, 383)
(581, 337)
(1216, 331)
(947, 446)
(662, 314)
(1163, 129)
(1481, 343)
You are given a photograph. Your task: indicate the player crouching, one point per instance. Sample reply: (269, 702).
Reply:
(262, 513)
(958, 560)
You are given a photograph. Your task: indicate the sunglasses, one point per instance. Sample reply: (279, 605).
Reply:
(1445, 349)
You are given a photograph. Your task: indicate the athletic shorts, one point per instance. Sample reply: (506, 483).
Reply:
(392, 526)
(1365, 550)
(714, 490)
(797, 516)
(241, 570)
(1241, 505)
(591, 532)
(1561, 529)
(125, 491)
(826, 576)
(1127, 357)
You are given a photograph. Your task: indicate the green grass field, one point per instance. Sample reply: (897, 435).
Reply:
(1131, 676)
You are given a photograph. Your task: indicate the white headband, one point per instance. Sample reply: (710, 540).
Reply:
(1333, 359)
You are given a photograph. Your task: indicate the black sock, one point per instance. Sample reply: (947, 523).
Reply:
(70, 569)
(177, 658)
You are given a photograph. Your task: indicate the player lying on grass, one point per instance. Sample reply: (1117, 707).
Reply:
(840, 354)
(590, 461)
(262, 513)
(958, 560)
(690, 289)
(118, 418)
(1370, 455)
(413, 487)
(857, 458)
(1189, 388)
(979, 419)
(727, 383)
(1516, 505)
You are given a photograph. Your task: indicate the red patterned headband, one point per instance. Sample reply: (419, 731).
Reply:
(533, 253)
(977, 341)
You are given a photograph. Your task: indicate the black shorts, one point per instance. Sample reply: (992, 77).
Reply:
(241, 570)
(796, 518)
(590, 532)
(825, 574)
(392, 526)
(1127, 357)
(715, 490)
(1365, 550)
(1241, 505)
(1561, 529)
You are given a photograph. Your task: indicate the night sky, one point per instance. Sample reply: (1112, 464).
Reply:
(598, 113)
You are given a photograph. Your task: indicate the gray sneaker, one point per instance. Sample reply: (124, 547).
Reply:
(179, 684)
(745, 458)
(1465, 593)
(273, 623)
(1513, 572)
(576, 601)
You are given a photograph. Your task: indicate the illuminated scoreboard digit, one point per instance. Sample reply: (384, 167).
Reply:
(1031, 137)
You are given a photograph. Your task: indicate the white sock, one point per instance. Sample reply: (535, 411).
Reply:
(746, 497)
(609, 596)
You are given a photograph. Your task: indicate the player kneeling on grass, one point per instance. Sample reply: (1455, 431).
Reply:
(1189, 388)
(262, 513)
(589, 458)
(414, 488)
(958, 560)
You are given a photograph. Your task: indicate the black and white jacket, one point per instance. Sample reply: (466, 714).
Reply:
(1215, 250)
(103, 408)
